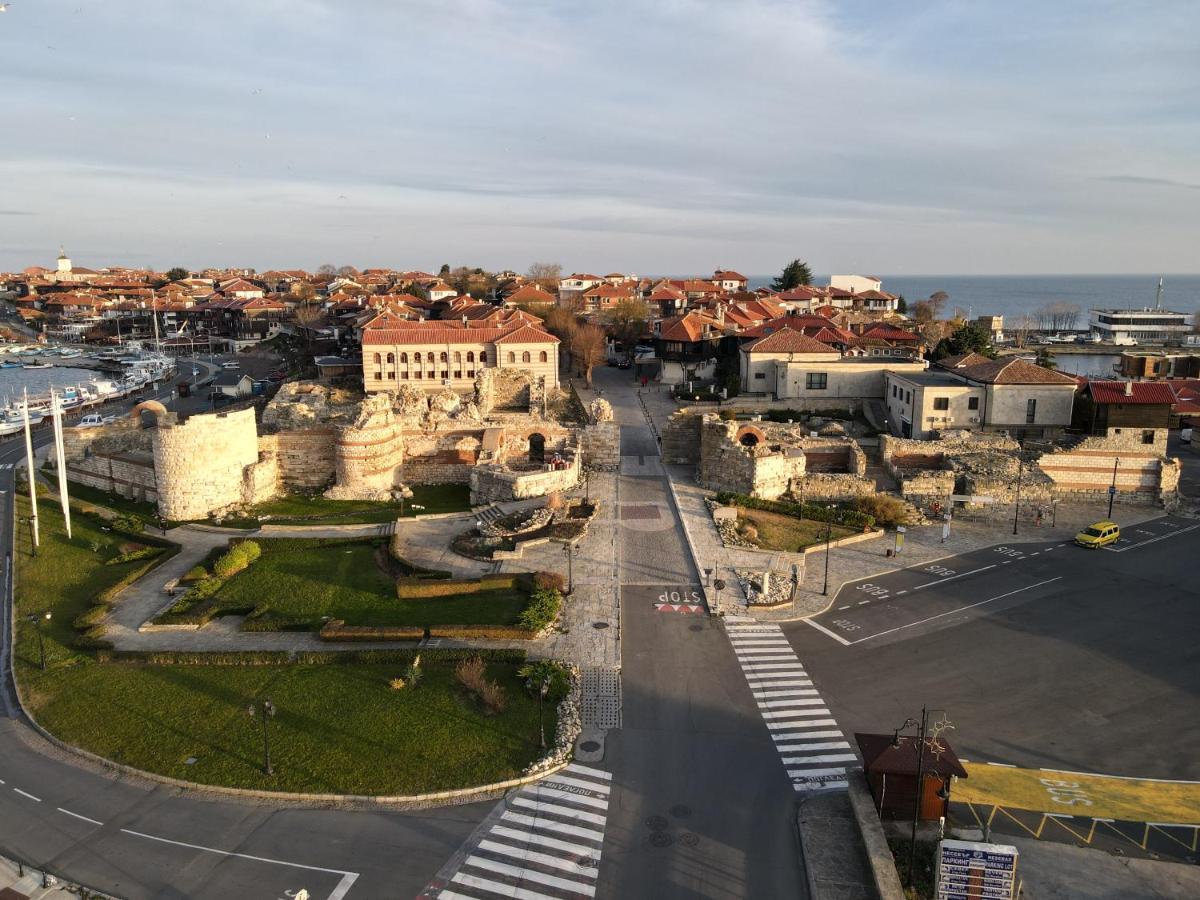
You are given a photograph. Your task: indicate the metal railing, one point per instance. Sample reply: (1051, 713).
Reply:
(49, 879)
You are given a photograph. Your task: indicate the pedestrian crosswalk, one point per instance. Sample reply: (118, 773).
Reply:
(814, 751)
(541, 843)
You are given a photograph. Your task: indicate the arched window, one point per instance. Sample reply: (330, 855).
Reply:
(392, 358)
(470, 356)
(457, 357)
(543, 357)
(404, 358)
(512, 357)
(378, 359)
(525, 356)
(429, 357)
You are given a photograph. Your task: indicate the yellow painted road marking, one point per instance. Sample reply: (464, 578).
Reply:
(1080, 794)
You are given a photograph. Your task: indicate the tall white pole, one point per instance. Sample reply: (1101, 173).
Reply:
(33, 517)
(61, 459)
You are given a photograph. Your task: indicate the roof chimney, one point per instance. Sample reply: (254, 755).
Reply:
(464, 318)
(1129, 389)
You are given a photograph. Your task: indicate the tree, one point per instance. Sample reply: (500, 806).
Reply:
(347, 271)
(1045, 358)
(627, 322)
(902, 305)
(327, 269)
(546, 275)
(929, 310)
(417, 291)
(589, 346)
(969, 338)
(303, 291)
(794, 274)
(545, 679)
(444, 270)
(1021, 329)
(177, 274)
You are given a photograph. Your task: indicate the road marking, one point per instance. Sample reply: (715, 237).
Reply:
(27, 794)
(78, 816)
(864, 603)
(512, 855)
(821, 628)
(789, 711)
(1006, 562)
(847, 606)
(343, 886)
(1153, 540)
(898, 594)
(952, 577)
(960, 609)
(1031, 554)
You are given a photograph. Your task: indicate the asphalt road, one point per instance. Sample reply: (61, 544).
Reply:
(1043, 655)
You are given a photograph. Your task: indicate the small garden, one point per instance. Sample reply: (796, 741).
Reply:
(560, 520)
(354, 589)
(789, 526)
(775, 531)
(347, 722)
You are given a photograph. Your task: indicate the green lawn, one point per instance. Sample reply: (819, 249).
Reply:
(780, 532)
(63, 578)
(340, 728)
(83, 493)
(308, 510)
(344, 581)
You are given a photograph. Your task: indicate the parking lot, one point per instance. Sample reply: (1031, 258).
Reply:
(945, 593)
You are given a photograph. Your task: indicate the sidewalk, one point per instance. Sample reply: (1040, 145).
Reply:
(14, 884)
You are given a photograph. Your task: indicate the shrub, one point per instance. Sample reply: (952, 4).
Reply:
(554, 500)
(236, 558)
(108, 594)
(472, 674)
(397, 684)
(885, 509)
(543, 607)
(195, 573)
(128, 523)
(728, 415)
(546, 670)
(419, 588)
(549, 581)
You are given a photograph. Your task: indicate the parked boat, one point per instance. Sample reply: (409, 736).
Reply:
(10, 365)
(37, 365)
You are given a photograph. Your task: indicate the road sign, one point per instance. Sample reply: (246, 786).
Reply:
(967, 870)
(1111, 491)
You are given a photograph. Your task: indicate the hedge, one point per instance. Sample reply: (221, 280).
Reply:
(305, 657)
(336, 631)
(837, 515)
(543, 608)
(236, 558)
(109, 594)
(426, 589)
(269, 544)
(134, 556)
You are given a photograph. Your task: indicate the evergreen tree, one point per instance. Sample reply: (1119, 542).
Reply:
(794, 274)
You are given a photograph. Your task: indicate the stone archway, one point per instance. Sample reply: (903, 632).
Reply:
(537, 447)
(148, 406)
(749, 436)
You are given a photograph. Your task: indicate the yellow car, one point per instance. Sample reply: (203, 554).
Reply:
(1099, 535)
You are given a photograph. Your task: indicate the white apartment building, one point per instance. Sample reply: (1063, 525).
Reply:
(1146, 325)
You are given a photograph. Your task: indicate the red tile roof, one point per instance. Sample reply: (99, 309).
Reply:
(1012, 370)
(789, 341)
(688, 328)
(421, 332)
(1142, 392)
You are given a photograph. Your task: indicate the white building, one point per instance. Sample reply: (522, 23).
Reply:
(856, 284)
(1146, 325)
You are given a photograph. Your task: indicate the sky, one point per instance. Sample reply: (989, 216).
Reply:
(663, 136)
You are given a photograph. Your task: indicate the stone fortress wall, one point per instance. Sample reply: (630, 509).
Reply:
(314, 438)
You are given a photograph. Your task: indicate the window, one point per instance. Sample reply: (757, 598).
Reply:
(1030, 412)
(470, 356)
(404, 375)
(445, 374)
(1147, 437)
(816, 381)
(391, 376)
(457, 358)
(404, 358)
(391, 359)
(525, 357)
(908, 396)
(543, 357)
(379, 376)
(512, 357)
(419, 375)
(972, 403)
(759, 375)
(378, 359)
(444, 357)
(458, 373)
(470, 373)
(941, 402)
(895, 391)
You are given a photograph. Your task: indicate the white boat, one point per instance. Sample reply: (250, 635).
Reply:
(69, 353)
(37, 365)
(7, 429)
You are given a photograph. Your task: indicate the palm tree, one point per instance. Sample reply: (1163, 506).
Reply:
(539, 677)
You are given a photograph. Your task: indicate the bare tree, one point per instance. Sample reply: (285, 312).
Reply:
(589, 346)
(327, 269)
(627, 322)
(546, 275)
(303, 291)
(1021, 328)
(347, 271)
(308, 316)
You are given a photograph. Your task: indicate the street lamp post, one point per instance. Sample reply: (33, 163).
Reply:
(36, 619)
(1017, 505)
(828, 535)
(568, 549)
(268, 712)
(543, 689)
(921, 739)
(1112, 490)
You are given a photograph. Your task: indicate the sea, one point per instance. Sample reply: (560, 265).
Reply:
(13, 382)
(1012, 296)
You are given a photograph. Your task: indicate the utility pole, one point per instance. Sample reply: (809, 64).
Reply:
(828, 535)
(1112, 490)
(1017, 505)
(33, 516)
(912, 850)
